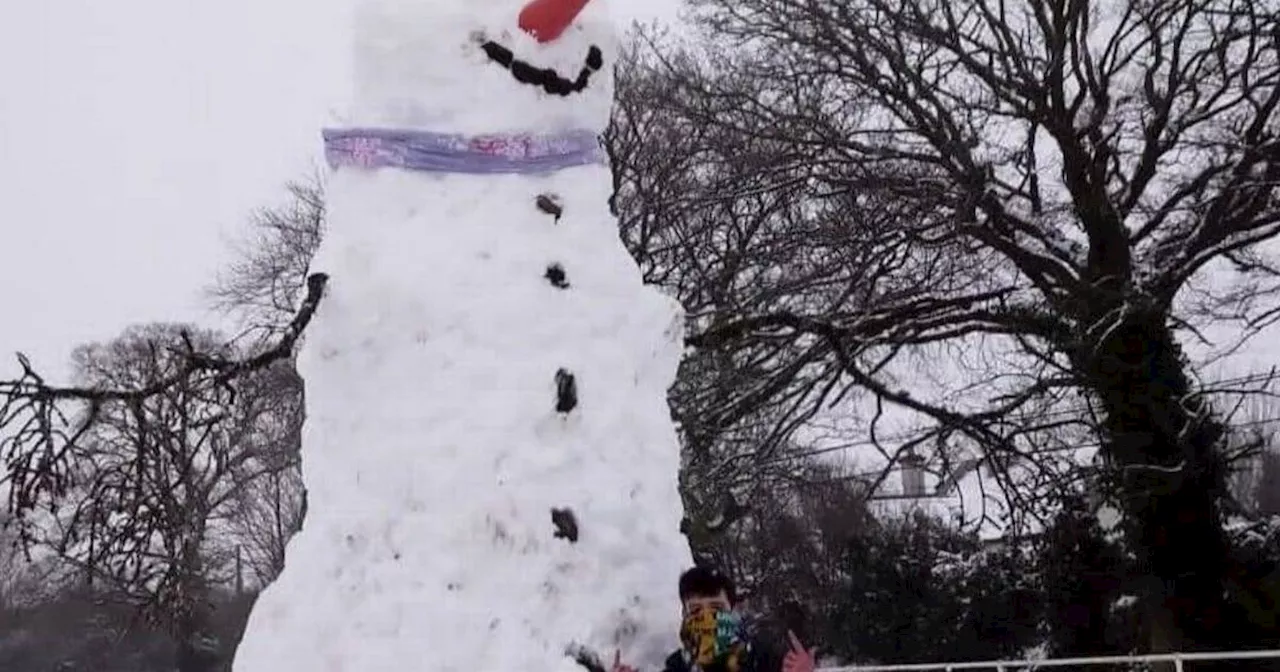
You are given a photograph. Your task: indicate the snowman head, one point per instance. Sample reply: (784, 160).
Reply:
(483, 66)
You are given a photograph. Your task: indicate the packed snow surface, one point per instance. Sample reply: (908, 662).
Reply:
(417, 64)
(433, 453)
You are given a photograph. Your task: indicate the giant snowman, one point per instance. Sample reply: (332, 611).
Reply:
(490, 460)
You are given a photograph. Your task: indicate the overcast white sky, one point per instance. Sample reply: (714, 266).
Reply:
(136, 137)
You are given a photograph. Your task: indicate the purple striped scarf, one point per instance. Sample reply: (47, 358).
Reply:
(448, 153)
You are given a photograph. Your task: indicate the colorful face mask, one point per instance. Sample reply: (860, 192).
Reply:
(713, 636)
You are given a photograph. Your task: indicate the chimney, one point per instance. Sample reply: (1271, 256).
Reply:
(912, 474)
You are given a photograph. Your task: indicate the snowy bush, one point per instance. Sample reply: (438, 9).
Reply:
(915, 590)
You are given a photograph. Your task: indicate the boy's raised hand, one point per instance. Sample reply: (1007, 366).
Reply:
(799, 659)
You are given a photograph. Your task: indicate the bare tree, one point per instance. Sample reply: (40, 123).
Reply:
(269, 510)
(127, 474)
(157, 475)
(260, 289)
(725, 221)
(272, 511)
(268, 278)
(1084, 167)
(263, 512)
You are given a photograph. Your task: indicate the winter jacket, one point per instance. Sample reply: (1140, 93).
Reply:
(760, 658)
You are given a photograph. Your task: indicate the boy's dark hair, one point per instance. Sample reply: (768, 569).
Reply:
(704, 581)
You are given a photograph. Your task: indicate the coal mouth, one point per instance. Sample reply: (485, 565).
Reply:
(548, 79)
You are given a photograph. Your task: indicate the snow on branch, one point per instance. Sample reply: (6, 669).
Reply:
(40, 437)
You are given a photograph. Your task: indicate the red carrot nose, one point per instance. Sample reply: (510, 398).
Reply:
(545, 20)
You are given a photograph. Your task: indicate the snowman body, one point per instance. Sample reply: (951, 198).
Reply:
(489, 455)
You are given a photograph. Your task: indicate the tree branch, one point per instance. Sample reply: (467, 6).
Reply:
(39, 445)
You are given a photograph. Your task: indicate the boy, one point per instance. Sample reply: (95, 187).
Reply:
(714, 637)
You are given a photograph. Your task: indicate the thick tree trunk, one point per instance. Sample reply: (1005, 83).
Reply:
(196, 649)
(1164, 445)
